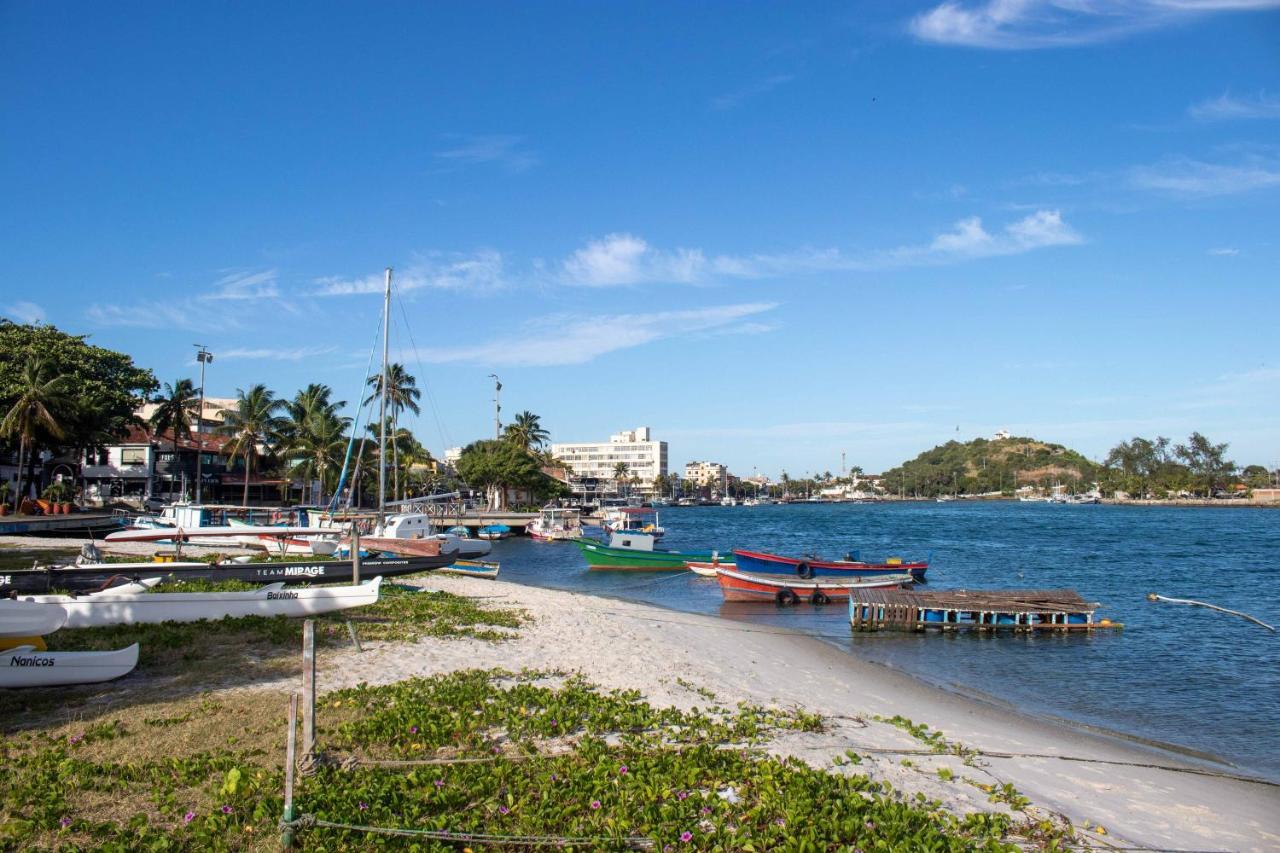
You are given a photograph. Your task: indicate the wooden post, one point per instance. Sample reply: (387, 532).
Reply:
(290, 760)
(355, 553)
(309, 687)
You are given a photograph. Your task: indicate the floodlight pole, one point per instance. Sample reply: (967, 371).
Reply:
(204, 357)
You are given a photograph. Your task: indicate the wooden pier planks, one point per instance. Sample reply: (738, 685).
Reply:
(981, 609)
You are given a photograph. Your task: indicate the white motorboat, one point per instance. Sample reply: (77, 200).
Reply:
(136, 605)
(25, 667)
(30, 618)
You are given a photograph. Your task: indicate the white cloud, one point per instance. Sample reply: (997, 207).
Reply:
(1227, 107)
(479, 271)
(1183, 176)
(1029, 24)
(269, 354)
(243, 285)
(729, 100)
(1225, 252)
(25, 312)
(148, 314)
(625, 259)
(500, 149)
(576, 339)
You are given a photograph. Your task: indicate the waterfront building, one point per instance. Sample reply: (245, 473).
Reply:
(645, 457)
(705, 474)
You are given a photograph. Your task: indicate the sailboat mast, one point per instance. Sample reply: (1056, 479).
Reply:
(382, 402)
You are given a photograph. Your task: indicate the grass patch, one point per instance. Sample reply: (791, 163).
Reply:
(570, 760)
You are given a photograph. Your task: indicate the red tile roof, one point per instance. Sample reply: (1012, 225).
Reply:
(142, 435)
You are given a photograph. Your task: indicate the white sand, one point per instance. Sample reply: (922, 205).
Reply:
(624, 645)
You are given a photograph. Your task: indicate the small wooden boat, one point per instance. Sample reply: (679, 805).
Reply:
(30, 618)
(743, 586)
(90, 577)
(758, 562)
(26, 667)
(555, 524)
(631, 551)
(472, 569)
(404, 547)
(708, 570)
(142, 607)
(494, 531)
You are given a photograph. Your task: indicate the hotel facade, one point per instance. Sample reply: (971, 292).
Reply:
(646, 459)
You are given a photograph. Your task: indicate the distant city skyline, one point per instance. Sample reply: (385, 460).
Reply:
(772, 234)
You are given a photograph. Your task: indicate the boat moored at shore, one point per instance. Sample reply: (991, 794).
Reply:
(759, 562)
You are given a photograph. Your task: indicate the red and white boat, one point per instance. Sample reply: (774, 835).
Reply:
(779, 589)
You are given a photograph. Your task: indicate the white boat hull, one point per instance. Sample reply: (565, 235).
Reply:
(25, 667)
(142, 608)
(30, 618)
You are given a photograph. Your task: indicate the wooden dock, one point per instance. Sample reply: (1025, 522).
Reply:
(1018, 610)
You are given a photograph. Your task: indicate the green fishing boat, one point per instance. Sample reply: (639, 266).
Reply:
(631, 551)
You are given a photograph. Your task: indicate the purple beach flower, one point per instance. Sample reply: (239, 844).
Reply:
(413, 730)
(364, 807)
(188, 817)
(595, 804)
(503, 810)
(682, 795)
(705, 810)
(227, 810)
(66, 821)
(622, 771)
(439, 784)
(686, 836)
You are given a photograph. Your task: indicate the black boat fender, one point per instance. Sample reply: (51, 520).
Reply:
(819, 597)
(804, 570)
(785, 598)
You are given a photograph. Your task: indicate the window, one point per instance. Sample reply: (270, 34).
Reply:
(133, 456)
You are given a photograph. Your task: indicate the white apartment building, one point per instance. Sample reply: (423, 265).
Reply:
(646, 458)
(711, 474)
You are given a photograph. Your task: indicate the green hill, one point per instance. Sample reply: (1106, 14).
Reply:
(985, 465)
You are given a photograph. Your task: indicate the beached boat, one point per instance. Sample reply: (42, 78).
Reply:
(555, 524)
(25, 667)
(631, 551)
(742, 586)
(143, 607)
(472, 569)
(93, 576)
(758, 562)
(30, 618)
(708, 570)
(493, 532)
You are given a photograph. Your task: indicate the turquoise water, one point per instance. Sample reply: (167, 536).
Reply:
(1181, 675)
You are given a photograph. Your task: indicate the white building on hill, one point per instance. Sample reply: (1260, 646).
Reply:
(645, 458)
(711, 474)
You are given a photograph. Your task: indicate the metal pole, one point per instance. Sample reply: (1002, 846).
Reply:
(204, 357)
(497, 406)
(309, 687)
(382, 404)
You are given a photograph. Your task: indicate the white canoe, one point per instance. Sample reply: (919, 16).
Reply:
(139, 607)
(185, 533)
(26, 667)
(30, 618)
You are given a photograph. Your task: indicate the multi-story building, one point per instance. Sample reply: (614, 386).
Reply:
(645, 458)
(704, 474)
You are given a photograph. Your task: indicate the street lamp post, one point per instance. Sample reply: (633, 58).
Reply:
(204, 357)
(497, 406)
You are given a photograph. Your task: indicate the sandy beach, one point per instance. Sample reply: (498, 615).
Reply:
(1139, 796)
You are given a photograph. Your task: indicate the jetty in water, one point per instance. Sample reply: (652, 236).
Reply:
(1017, 610)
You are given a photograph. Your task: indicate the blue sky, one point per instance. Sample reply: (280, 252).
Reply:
(772, 232)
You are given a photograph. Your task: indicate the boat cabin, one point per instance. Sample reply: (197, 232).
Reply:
(632, 540)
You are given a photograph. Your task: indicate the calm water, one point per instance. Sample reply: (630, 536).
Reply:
(1183, 675)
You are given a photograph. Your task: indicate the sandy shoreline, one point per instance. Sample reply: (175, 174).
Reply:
(680, 659)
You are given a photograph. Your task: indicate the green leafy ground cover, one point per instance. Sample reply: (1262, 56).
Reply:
(559, 758)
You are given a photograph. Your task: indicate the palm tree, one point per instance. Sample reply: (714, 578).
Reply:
(527, 431)
(321, 446)
(620, 472)
(402, 393)
(41, 394)
(252, 423)
(173, 414)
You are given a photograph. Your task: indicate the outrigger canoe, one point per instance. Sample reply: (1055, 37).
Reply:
(93, 576)
(758, 562)
(742, 586)
(30, 619)
(138, 606)
(26, 667)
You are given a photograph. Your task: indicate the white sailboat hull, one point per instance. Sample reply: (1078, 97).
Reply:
(30, 618)
(142, 608)
(25, 667)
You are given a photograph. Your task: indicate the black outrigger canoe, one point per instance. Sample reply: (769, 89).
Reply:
(92, 576)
